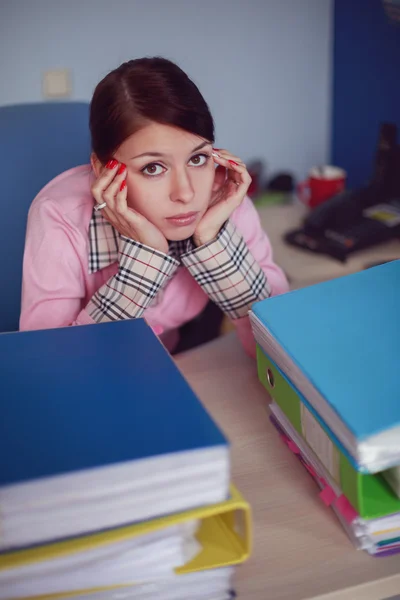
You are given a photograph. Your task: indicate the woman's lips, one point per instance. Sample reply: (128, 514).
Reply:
(183, 220)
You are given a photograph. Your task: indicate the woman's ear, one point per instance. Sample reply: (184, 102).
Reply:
(96, 164)
(219, 178)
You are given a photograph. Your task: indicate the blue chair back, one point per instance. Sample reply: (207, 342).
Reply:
(37, 142)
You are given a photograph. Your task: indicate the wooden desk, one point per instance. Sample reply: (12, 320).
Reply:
(304, 268)
(300, 550)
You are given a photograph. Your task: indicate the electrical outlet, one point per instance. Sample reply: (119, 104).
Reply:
(57, 84)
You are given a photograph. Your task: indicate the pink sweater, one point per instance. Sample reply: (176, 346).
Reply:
(57, 285)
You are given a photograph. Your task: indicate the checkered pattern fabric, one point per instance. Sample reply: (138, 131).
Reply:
(228, 272)
(224, 268)
(103, 243)
(141, 274)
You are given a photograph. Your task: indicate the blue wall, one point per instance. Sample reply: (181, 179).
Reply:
(264, 66)
(366, 83)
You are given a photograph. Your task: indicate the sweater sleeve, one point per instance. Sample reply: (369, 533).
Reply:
(53, 282)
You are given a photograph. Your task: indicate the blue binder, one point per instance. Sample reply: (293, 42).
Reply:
(82, 397)
(344, 335)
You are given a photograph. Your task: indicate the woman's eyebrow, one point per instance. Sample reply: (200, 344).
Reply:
(202, 145)
(160, 154)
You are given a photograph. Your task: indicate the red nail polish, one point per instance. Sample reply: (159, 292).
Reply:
(121, 169)
(233, 163)
(111, 164)
(217, 149)
(123, 185)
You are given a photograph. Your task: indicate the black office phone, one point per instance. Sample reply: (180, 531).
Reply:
(355, 220)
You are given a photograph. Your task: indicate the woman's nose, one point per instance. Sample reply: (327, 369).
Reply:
(181, 188)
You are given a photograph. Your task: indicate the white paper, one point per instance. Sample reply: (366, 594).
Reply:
(320, 443)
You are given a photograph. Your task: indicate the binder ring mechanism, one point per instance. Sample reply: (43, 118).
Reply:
(270, 378)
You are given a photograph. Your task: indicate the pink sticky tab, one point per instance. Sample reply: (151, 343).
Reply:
(345, 509)
(284, 438)
(311, 470)
(327, 495)
(292, 446)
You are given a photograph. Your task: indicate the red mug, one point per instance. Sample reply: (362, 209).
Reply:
(322, 183)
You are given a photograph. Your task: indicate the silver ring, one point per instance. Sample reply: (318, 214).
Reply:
(100, 206)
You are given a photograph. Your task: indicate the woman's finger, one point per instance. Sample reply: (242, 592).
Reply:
(109, 195)
(227, 161)
(236, 171)
(121, 206)
(228, 156)
(241, 177)
(239, 181)
(105, 178)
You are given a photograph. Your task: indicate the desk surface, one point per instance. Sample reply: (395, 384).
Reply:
(300, 550)
(304, 268)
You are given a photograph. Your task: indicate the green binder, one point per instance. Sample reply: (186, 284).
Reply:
(369, 495)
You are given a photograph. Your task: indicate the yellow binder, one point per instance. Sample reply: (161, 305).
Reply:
(225, 535)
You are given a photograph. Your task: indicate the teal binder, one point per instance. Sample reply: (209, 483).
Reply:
(343, 337)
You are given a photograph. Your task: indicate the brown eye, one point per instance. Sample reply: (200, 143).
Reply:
(153, 169)
(198, 160)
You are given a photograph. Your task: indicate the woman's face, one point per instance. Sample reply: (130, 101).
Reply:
(170, 177)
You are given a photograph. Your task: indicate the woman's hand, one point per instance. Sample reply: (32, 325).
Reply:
(234, 182)
(110, 187)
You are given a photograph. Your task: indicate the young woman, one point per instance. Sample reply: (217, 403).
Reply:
(157, 225)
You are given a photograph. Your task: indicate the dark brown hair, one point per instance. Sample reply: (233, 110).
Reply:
(141, 91)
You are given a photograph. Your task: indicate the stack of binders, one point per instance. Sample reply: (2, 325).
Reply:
(114, 480)
(329, 357)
